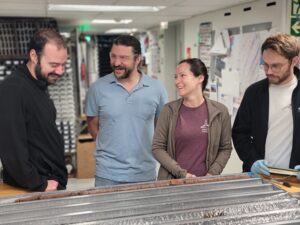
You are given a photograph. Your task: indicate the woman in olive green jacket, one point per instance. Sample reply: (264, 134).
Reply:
(193, 134)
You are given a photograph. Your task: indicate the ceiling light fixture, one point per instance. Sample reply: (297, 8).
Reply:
(104, 8)
(164, 25)
(114, 21)
(121, 31)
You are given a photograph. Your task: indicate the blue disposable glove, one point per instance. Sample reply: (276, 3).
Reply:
(260, 166)
(250, 174)
(298, 168)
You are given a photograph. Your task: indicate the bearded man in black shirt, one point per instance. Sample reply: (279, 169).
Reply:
(31, 147)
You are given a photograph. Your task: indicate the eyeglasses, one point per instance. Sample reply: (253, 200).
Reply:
(276, 68)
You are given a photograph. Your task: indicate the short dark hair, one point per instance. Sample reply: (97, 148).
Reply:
(44, 36)
(197, 68)
(284, 44)
(130, 41)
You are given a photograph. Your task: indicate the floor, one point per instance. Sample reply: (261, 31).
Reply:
(75, 184)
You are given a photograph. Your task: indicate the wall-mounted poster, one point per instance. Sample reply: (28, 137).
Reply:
(205, 36)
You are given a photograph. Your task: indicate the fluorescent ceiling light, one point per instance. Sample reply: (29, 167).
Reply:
(164, 25)
(104, 8)
(121, 31)
(115, 21)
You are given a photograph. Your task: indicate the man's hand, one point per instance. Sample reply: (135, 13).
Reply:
(52, 185)
(93, 126)
(298, 168)
(260, 166)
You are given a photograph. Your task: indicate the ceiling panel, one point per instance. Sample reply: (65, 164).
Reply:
(213, 2)
(176, 10)
(85, 2)
(137, 15)
(22, 9)
(74, 16)
(23, 2)
(184, 10)
(149, 3)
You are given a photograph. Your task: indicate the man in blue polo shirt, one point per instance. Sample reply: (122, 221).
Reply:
(121, 110)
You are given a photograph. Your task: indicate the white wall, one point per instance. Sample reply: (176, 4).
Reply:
(259, 14)
(172, 55)
(169, 42)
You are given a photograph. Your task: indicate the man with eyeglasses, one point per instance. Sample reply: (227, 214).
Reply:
(121, 110)
(31, 147)
(266, 129)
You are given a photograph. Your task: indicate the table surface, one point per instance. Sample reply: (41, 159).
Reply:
(7, 190)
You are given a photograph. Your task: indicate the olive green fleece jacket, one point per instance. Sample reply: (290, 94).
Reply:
(219, 140)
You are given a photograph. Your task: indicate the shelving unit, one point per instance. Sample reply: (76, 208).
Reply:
(63, 96)
(104, 45)
(15, 34)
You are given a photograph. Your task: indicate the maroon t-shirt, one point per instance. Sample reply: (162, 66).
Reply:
(191, 139)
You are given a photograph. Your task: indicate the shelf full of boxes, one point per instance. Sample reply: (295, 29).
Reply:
(15, 34)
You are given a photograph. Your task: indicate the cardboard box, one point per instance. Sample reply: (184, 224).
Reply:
(86, 165)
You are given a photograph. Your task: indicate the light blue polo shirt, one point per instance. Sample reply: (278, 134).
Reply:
(126, 127)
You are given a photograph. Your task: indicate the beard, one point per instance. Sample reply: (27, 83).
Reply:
(126, 74)
(43, 77)
(39, 75)
(285, 76)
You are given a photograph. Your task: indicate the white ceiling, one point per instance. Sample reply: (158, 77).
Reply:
(175, 10)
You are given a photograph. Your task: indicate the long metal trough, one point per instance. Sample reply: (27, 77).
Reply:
(239, 201)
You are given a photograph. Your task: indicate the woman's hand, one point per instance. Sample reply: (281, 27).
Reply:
(189, 175)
